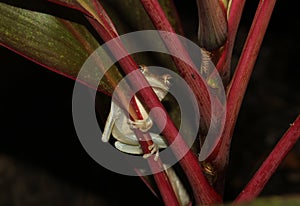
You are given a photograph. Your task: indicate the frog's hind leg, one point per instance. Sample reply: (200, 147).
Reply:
(132, 149)
(110, 122)
(136, 149)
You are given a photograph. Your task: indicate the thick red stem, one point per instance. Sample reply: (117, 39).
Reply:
(241, 78)
(271, 163)
(107, 31)
(190, 75)
(224, 62)
(203, 192)
(160, 21)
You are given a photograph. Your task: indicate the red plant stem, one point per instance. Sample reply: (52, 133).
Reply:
(161, 178)
(241, 78)
(168, 195)
(107, 33)
(203, 192)
(161, 22)
(224, 62)
(271, 163)
(191, 76)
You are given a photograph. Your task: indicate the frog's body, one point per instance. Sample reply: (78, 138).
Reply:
(120, 126)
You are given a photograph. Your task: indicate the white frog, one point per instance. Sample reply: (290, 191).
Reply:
(120, 126)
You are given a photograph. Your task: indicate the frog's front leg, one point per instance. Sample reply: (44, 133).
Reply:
(120, 126)
(144, 124)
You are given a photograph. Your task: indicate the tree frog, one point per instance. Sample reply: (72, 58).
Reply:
(120, 126)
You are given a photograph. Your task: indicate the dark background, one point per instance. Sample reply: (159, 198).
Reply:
(43, 163)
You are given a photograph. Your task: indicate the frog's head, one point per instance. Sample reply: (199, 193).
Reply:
(159, 83)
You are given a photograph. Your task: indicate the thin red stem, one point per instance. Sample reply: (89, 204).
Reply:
(168, 195)
(271, 163)
(224, 65)
(185, 69)
(107, 31)
(224, 62)
(204, 193)
(161, 22)
(241, 78)
(161, 178)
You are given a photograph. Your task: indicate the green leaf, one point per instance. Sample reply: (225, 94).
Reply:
(42, 38)
(57, 44)
(46, 39)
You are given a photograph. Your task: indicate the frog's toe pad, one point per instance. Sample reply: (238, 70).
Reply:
(154, 149)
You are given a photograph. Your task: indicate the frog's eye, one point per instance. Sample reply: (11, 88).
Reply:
(143, 68)
(166, 78)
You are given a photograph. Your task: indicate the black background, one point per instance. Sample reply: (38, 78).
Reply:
(38, 136)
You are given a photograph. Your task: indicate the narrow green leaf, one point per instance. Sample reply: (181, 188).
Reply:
(42, 38)
(48, 41)
(129, 16)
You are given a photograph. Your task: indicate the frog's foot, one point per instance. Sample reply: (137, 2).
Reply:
(153, 149)
(131, 149)
(144, 125)
(136, 149)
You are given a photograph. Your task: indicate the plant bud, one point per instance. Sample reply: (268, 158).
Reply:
(212, 31)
